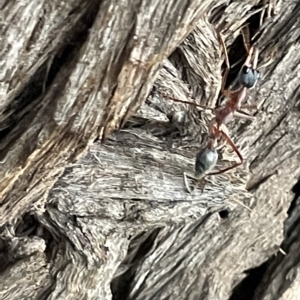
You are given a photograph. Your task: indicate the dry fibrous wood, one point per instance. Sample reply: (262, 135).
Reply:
(111, 71)
(281, 277)
(119, 223)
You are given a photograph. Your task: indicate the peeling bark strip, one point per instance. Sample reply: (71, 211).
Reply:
(101, 84)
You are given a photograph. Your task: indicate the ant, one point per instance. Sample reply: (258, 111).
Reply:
(207, 158)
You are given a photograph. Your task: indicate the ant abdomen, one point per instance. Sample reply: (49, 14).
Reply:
(248, 77)
(206, 160)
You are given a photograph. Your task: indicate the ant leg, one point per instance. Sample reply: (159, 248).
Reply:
(243, 115)
(267, 6)
(199, 179)
(262, 15)
(251, 50)
(240, 114)
(255, 58)
(249, 106)
(252, 57)
(233, 146)
(249, 57)
(186, 102)
(246, 38)
(224, 79)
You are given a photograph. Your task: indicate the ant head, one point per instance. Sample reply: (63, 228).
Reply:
(246, 69)
(248, 77)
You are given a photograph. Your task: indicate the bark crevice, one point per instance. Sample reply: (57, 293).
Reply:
(119, 222)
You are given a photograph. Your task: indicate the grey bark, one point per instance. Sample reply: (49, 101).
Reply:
(82, 219)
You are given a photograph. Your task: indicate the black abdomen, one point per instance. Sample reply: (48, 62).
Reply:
(205, 161)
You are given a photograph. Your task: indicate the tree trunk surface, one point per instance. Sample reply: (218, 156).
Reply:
(92, 153)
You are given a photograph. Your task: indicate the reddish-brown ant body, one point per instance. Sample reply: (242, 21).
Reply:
(207, 158)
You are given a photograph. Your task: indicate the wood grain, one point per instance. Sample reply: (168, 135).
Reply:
(119, 223)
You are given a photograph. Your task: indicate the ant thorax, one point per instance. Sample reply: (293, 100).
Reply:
(248, 77)
(224, 115)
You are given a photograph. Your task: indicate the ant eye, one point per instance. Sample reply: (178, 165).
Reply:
(246, 70)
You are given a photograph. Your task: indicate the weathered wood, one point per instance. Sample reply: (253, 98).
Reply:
(106, 79)
(281, 277)
(119, 223)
